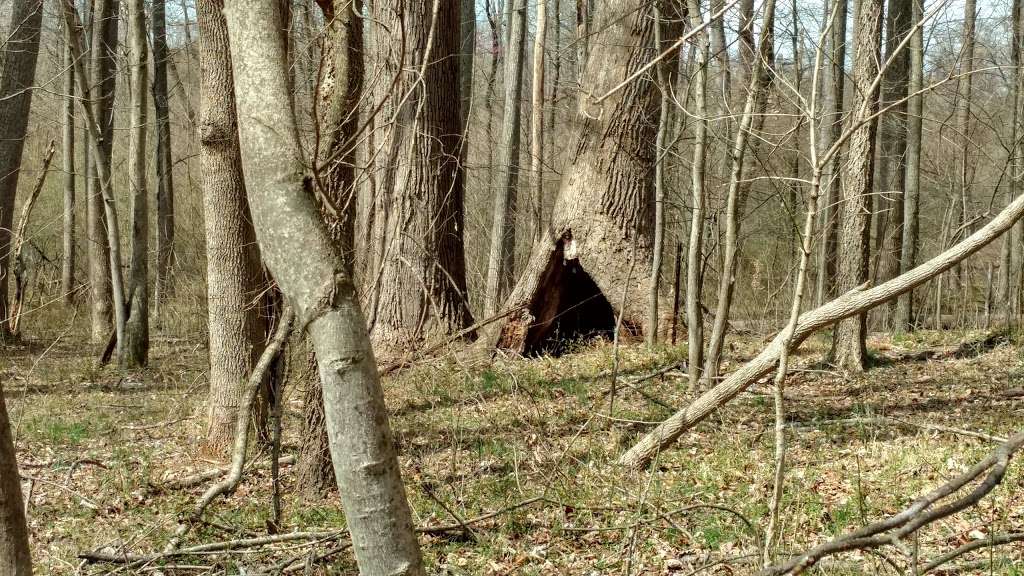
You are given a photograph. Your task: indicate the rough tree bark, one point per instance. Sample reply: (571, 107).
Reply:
(17, 73)
(578, 279)
(501, 256)
(164, 162)
(849, 349)
(232, 258)
(103, 75)
(341, 86)
(834, 75)
(135, 351)
(422, 283)
(15, 559)
(301, 255)
(912, 174)
(67, 273)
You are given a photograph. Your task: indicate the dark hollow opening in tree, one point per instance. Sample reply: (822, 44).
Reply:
(568, 308)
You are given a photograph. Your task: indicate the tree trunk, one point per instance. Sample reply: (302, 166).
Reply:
(67, 275)
(15, 559)
(537, 119)
(164, 160)
(695, 252)
(738, 188)
(422, 284)
(831, 125)
(232, 260)
(580, 279)
(965, 84)
(341, 86)
(654, 289)
(301, 255)
(103, 76)
(18, 57)
(849, 349)
(893, 149)
(501, 257)
(467, 50)
(912, 174)
(135, 351)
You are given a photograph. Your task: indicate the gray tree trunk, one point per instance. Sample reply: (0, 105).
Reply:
(421, 288)
(892, 150)
(912, 174)
(501, 257)
(135, 351)
(301, 255)
(15, 559)
(17, 74)
(233, 273)
(103, 75)
(849, 349)
(695, 251)
(537, 119)
(834, 76)
(164, 162)
(67, 275)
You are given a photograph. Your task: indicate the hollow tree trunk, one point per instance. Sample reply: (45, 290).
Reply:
(67, 274)
(301, 255)
(135, 351)
(232, 260)
(341, 85)
(15, 559)
(591, 265)
(164, 162)
(849, 349)
(834, 75)
(103, 76)
(422, 287)
(912, 174)
(501, 256)
(17, 74)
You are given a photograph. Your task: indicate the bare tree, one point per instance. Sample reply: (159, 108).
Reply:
(103, 75)
(912, 174)
(135, 351)
(501, 257)
(849, 348)
(834, 74)
(537, 119)
(232, 259)
(301, 255)
(15, 559)
(164, 161)
(18, 56)
(67, 276)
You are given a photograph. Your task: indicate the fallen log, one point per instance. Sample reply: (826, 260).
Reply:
(849, 304)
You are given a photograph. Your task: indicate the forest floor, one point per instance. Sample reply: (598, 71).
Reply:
(97, 447)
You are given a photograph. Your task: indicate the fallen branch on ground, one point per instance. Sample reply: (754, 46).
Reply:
(214, 473)
(850, 304)
(922, 512)
(997, 540)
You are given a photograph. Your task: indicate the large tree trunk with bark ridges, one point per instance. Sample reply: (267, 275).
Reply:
(592, 264)
(422, 280)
